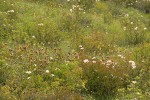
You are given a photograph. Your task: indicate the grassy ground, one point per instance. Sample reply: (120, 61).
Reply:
(68, 50)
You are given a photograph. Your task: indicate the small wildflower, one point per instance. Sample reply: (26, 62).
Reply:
(135, 28)
(82, 48)
(109, 62)
(71, 10)
(85, 60)
(51, 58)
(33, 37)
(11, 11)
(28, 78)
(134, 82)
(138, 93)
(133, 67)
(145, 28)
(124, 28)
(93, 61)
(121, 56)
(28, 72)
(80, 9)
(47, 71)
(35, 65)
(132, 64)
(52, 75)
(131, 22)
(41, 24)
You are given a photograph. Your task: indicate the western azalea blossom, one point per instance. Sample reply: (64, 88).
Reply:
(85, 60)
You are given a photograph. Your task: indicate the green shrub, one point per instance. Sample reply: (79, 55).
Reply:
(135, 30)
(103, 77)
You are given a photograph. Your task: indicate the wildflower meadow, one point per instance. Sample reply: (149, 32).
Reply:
(74, 49)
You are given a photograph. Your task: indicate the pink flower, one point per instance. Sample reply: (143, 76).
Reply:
(85, 60)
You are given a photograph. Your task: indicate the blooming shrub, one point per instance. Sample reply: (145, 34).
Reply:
(105, 75)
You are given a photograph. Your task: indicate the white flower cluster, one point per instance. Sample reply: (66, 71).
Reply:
(121, 56)
(28, 72)
(132, 64)
(76, 7)
(81, 47)
(87, 60)
(11, 11)
(40, 24)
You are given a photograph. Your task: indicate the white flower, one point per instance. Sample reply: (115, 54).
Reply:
(52, 75)
(135, 28)
(131, 22)
(109, 61)
(35, 65)
(41, 24)
(28, 78)
(121, 56)
(85, 60)
(93, 61)
(80, 9)
(33, 36)
(132, 64)
(124, 28)
(11, 11)
(133, 82)
(82, 48)
(51, 58)
(28, 72)
(47, 71)
(71, 10)
(138, 93)
(68, 0)
(145, 28)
